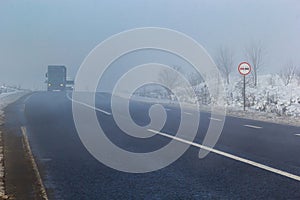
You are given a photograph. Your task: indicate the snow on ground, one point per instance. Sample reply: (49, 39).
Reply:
(269, 96)
(271, 100)
(7, 96)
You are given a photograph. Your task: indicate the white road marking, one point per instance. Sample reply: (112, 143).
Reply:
(215, 119)
(188, 113)
(25, 101)
(27, 98)
(237, 158)
(167, 109)
(46, 159)
(252, 126)
(22, 109)
(35, 168)
(89, 106)
(297, 134)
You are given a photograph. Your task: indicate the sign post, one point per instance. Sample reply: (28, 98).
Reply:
(244, 69)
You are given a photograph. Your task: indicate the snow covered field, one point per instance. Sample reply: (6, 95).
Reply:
(271, 95)
(271, 100)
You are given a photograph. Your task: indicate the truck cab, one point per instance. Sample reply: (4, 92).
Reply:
(56, 78)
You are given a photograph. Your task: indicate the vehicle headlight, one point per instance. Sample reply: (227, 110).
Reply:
(49, 84)
(61, 85)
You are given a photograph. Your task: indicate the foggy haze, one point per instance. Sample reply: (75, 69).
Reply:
(35, 34)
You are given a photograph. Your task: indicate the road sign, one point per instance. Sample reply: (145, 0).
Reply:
(244, 68)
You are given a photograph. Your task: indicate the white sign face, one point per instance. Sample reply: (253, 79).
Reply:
(244, 68)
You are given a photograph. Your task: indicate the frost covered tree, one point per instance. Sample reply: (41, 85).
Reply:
(255, 53)
(298, 75)
(194, 79)
(272, 80)
(288, 73)
(224, 61)
(170, 80)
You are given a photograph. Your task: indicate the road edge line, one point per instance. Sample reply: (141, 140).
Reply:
(35, 168)
(231, 156)
(84, 104)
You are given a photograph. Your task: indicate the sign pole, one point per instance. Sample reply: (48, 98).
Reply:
(244, 68)
(244, 92)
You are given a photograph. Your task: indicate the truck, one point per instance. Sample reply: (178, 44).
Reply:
(56, 78)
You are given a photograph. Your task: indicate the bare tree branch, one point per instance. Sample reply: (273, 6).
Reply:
(288, 73)
(195, 79)
(170, 80)
(298, 75)
(224, 61)
(255, 54)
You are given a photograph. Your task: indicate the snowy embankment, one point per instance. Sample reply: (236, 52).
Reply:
(9, 97)
(271, 100)
(5, 99)
(271, 95)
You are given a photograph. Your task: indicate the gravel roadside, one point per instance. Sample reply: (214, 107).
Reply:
(18, 178)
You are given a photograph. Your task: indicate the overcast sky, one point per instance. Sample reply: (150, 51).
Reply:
(35, 33)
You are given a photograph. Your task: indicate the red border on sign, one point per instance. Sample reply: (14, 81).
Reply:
(248, 65)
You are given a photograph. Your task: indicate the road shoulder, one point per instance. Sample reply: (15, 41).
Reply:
(20, 177)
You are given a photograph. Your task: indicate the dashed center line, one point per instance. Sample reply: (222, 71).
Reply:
(231, 156)
(215, 119)
(252, 126)
(89, 106)
(46, 159)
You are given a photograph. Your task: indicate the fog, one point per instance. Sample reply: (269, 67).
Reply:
(35, 34)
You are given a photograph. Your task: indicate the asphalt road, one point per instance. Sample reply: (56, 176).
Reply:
(70, 172)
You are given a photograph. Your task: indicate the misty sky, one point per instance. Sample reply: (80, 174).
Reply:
(34, 33)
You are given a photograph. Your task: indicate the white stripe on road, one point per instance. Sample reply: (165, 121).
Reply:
(188, 113)
(27, 98)
(252, 126)
(46, 159)
(25, 102)
(297, 134)
(41, 188)
(89, 106)
(243, 160)
(215, 119)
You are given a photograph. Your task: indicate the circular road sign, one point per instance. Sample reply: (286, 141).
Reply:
(244, 68)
